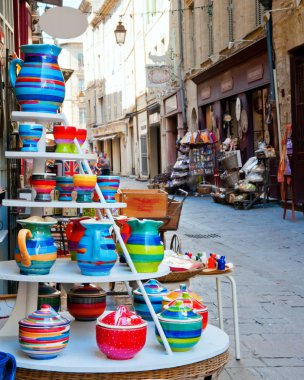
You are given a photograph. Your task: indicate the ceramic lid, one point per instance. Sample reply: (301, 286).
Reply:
(47, 290)
(179, 312)
(46, 317)
(37, 220)
(177, 293)
(153, 287)
(190, 302)
(121, 318)
(87, 290)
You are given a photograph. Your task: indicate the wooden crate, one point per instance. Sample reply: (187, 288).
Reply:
(150, 203)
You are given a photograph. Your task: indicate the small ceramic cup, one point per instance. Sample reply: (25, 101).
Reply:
(84, 184)
(81, 135)
(65, 186)
(43, 184)
(64, 137)
(108, 185)
(30, 135)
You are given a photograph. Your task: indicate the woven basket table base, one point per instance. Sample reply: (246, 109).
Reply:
(190, 371)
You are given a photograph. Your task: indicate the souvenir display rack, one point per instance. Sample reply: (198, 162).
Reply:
(76, 361)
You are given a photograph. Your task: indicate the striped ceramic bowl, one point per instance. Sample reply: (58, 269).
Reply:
(30, 135)
(182, 327)
(84, 184)
(65, 186)
(44, 334)
(155, 291)
(108, 185)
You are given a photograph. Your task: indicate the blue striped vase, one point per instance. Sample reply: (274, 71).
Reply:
(155, 291)
(39, 86)
(182, 327)
(144, 245)
(30, 135)
(96, 254)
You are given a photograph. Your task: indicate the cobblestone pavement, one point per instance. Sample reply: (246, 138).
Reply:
(268, 256)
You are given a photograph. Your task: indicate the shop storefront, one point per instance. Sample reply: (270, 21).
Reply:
(233, 100)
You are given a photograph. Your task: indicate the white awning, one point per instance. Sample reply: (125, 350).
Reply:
(102, 138)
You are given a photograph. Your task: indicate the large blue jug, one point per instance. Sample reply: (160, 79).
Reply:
(7, 366)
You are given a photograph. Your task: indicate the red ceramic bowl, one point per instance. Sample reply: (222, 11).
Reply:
(120, 343)
(64, 134)
(81, 135)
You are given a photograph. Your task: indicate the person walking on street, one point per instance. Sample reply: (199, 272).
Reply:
(105, 165)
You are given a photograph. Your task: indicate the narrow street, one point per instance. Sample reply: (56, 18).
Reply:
(267, 253)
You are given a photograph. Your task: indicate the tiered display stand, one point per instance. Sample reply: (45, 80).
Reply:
(82, 359)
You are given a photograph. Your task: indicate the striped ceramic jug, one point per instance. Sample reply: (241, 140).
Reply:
(39, 86)
(144, 245)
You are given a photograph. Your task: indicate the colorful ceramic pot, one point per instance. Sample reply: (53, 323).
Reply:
(74, 232)
(86, 302)
(108, 185)
(44, 334)
(125, 232)
(155, 291)
(64, 137)
(121, 334)
(43, 184)
(40, 85)
(65, 186)
(96, 254)
(81, 135)
(144, 245)
(178, 293)
(30, 134)
(182, 327)
(36, 252)
(8, 366)
(84, 184)
(196, 305)
(48, 295)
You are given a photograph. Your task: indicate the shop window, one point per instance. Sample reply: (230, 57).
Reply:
(260, 126)
(82, 118)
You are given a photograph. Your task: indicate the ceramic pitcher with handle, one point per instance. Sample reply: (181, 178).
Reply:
(144, 245)
(7, 366)
(39, 86)
(96, 254)
(36, 252)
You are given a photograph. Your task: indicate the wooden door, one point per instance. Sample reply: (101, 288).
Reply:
(297, 104)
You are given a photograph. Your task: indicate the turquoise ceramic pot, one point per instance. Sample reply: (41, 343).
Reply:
(155, 291)
(144, 245)
(96, 254)
(182, 327)
(39, 86)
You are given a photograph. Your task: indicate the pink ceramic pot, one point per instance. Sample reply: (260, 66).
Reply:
(64, 137)
(121, 334)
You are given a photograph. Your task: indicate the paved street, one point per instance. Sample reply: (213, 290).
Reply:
(268, 254)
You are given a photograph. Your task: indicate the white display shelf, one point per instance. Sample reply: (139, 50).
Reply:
(38, 117)
(83, 356)
(60, 204)
(67, 271)
(51, 155)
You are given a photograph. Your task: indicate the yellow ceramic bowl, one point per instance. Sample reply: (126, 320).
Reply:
(83, 181)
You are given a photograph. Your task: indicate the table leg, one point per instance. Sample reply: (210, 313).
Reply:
(235, 318)
(219, 303)
(26, 303)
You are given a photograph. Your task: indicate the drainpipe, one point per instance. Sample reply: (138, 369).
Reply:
(180, 65)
